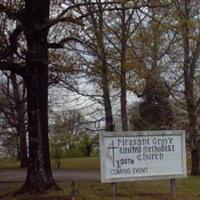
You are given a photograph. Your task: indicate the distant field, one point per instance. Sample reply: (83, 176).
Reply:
(86, 163)
(9, 164)
(187, 189)
(83, 163)
(67, 163)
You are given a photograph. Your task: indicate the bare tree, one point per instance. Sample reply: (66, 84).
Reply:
(187, 13)
(13, 108)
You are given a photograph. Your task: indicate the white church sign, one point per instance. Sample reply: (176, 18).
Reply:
(142, 155)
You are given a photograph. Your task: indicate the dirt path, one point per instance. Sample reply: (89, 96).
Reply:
(59, 175)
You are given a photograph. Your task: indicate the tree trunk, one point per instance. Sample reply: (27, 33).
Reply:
(195, 150)
(189, 78)
(192, 115)
(106, 99)
(23, 147)
(21, 127)
(104, 72)
(123, 86)
(39, 175)
(193, 123)
(124, 115)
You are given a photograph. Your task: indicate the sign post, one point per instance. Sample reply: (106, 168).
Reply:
(143, 155)
(114, 189)
(172, 188)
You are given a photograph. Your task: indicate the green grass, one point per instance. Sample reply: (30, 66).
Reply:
(9, 164)
(83, 163)
(91, 163)
(187, 189)
(87, 163)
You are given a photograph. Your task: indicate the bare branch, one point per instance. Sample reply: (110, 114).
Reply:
(12, 48)
(63, 19)
(78, 20)
(10, 12)
(60, 44)
(13, 67)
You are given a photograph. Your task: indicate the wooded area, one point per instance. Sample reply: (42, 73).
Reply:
(143, 47)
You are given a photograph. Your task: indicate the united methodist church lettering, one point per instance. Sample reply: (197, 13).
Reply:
(145, 149)
(138, 156)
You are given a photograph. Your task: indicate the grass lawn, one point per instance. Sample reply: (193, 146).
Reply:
(9, 164)
(187, 189)
(84, 163)
(87, 163)
(66, 163)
